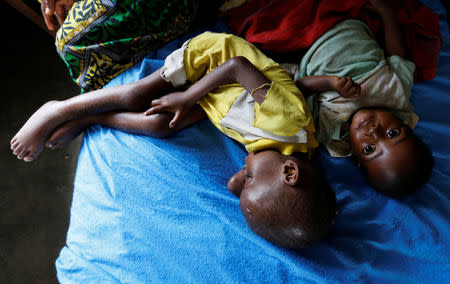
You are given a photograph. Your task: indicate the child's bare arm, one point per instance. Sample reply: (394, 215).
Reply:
(236, 70)
(344, 86)
(393, 37)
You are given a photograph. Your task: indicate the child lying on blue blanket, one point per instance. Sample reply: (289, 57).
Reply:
(363, 106)
(247, 96)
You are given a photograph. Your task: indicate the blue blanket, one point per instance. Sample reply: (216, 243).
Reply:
(158, 210)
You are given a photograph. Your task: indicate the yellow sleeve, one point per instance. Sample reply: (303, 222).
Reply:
(282, 112)
(208, 50)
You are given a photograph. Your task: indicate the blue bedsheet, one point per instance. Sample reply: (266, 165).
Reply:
(157, 210)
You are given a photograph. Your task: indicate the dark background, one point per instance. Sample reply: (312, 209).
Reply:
(34, 197)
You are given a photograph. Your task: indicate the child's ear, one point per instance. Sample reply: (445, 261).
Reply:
(291, 173)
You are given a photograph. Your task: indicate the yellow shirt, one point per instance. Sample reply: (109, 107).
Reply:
(284, 111)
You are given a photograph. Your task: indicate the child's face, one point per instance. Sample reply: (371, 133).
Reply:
(263, 184)
(282, 198)
(380, 142)
(260, 168)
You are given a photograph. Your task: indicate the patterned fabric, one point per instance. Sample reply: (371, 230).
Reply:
(102, 38)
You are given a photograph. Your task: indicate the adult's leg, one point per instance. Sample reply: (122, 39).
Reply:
(136, 96)
(156, 125)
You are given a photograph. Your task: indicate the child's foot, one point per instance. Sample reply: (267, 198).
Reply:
(29, 141)
(66, 133)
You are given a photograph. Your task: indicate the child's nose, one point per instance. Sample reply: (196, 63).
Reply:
(236, 182)
(375, 131)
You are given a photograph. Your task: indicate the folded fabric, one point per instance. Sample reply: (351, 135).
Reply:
(291, 25)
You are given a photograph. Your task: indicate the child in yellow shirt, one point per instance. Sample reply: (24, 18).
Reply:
(247, 96)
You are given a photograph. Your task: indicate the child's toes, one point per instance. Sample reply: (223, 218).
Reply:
(56, 145)
(29, 158)
(13, 140)
(50, 144)
(18, 150)
(14, 145)
(23, 154)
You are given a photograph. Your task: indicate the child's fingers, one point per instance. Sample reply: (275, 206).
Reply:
(341, 83)
(153, 110)
(355, 91)
(149, 111)
(174, 121)
(156, 102)
(346, 88)
(156, 107)
(349, 83)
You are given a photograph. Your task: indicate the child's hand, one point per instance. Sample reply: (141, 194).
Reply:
(345, 87)
(176, 103)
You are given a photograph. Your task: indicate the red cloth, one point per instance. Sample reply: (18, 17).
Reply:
(282, 26)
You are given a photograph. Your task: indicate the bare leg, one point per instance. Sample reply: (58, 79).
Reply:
(29, 141)
(156, 125)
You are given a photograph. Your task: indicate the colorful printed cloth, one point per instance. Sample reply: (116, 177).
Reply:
(102, 38)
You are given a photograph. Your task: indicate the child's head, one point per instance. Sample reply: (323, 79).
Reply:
(284, 199)
(394, 160)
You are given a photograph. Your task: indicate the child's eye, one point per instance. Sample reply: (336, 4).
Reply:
(393, 133)
(368, 149)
